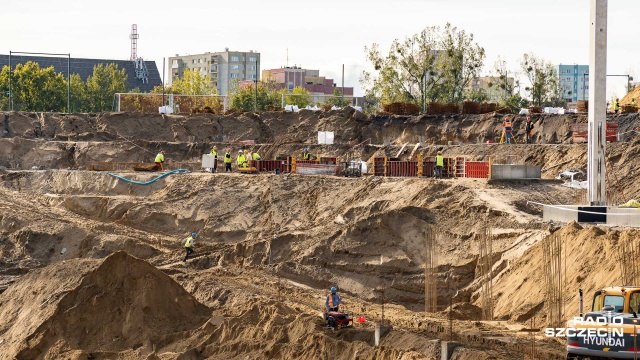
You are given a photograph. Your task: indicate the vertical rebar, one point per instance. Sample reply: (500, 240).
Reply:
(485, 264)
(553, 260)
(430, 270)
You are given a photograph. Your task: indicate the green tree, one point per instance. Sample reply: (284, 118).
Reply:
(336, 99)
(505, 87)
(299, 96)
(245, 97)
(78, 90)
(462, 60)
(4, 88)
(33, 88)
(515, 103)
(192, 82)
(542, 78)
(106, 81)
(478, 95)
(435, 65)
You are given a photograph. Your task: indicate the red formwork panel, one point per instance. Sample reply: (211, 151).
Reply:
(271, 165)
(477, 169)
(329, 160)
(428, 168)
(402, 168)
(378, 166)
(580, 132)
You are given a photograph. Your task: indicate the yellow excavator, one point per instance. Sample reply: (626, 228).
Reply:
(610, 330)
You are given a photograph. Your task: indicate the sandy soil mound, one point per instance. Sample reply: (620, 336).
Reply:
(118, 304)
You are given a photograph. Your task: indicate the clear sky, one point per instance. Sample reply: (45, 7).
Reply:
(317, 34)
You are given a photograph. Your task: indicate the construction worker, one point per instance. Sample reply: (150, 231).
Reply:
(633, 102)
(439, 165)
(616, 105)
(188, 245)
(240, 160)
(214, 153)
(507, 128)
(159, 160)
(528, 129)
(333, 300)
(306, 155)
(256, 156)
(227, 160)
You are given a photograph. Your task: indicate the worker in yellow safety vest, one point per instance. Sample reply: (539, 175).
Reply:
(240, 160)
(616, 105)
(306, 155)
(439, 165)
(256, 156)
(160, 159)
(214, 153)
(227, 161)
(188, 245)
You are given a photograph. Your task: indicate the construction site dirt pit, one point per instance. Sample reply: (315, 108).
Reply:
(91, 266)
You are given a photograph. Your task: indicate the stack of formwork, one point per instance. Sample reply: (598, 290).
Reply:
(401, 108)
(487, 108)
(535, 110)
(443, 109)
(582, 106)
(451, 108)
(411, 109)
(471, 107)
(435, 108)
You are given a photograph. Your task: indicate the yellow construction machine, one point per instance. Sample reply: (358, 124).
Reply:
(248, 170)
(610, 330)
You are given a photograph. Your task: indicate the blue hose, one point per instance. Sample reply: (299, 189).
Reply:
(179, 171)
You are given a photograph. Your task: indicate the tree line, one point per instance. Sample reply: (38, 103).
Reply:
(440, 64)
(42, 89)
(435, 65)
(260, 96)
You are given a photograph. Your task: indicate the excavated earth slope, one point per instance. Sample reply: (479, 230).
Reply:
(269, 245)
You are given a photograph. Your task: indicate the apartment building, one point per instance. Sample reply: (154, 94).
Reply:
(290, 77)
(222, 68)
(574, 81)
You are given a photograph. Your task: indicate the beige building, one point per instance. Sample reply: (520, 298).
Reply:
(223, 68)
(493, 86)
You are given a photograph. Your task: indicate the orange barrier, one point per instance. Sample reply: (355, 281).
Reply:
(477, 169)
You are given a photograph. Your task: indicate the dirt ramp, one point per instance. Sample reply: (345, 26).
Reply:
(87, 306)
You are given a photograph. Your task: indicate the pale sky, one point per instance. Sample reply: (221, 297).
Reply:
(318, 34)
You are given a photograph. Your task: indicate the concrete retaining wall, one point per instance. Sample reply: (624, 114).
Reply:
(615, 216)
(514, 172)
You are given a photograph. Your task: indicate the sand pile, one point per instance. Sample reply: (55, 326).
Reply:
(592, 262)
(91, 307)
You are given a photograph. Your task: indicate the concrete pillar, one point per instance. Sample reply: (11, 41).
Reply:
(447, 348)
(376, 337)
(597, 103)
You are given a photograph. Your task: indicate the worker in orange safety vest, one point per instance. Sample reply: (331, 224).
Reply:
(333, 300)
